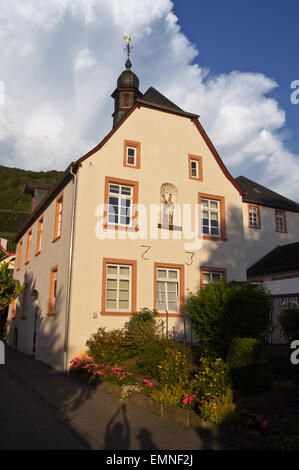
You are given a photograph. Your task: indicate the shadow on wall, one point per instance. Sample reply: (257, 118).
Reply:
(229, 254)
(34, 331)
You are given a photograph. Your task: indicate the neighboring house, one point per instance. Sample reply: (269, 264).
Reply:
(86, 254)
(278, 270)
(10, 259)
(37, 191)
(269, 219)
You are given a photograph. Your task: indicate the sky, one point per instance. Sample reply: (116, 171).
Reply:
(231, 62)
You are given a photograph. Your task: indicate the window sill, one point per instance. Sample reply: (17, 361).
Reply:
(55, 239)
(135, 167)
(214, 239)
(169, 227)
(198, 178)
(37, 253)
(255, 228)
(26, 262)
(123, 314)
(175, 315)
(51, 314)
(120, 227)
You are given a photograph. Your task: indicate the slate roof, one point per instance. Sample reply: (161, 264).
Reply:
(35, 185)
(281, 259)
(154, 98)
(258, 194)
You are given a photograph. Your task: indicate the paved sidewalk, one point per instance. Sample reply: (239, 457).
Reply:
(99, 417)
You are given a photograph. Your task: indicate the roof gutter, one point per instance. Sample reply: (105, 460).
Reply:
(70, 266)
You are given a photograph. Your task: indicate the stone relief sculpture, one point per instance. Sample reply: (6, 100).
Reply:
(168, 202)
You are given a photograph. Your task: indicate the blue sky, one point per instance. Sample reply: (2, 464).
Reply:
(256, 36)
(230, 61)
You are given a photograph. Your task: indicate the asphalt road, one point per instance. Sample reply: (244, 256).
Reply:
(26, 423)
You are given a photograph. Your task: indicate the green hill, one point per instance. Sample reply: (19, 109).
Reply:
(12, 183)
(14, 204)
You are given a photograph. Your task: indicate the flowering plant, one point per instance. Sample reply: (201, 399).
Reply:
(111, 373)
(188, 401)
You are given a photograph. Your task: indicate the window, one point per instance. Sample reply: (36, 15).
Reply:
(24, 302)
(280, 221)
(169, 288)
(20, 255)
(212, 216)
(254, 216)
(53, 290)
(210, 275)
(120, 204)
(58, 218)
(13, 309)
(125, 100)
(39, 235)
(119, 286)
(120, 198)
(28, 248)
(195, 167)
(132, 154)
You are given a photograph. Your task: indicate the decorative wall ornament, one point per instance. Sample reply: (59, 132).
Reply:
(191, 253)
(168, 199)
(148, 248)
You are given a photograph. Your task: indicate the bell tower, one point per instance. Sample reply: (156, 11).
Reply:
(127, 91)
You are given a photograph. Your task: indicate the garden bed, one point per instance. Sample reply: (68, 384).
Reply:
(232, 397)
(238, 438)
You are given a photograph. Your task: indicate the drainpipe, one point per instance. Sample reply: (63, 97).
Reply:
(69, 280)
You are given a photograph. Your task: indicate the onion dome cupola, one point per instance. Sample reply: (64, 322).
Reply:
(127, 91)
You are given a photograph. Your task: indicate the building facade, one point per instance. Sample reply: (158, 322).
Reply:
(148, 215)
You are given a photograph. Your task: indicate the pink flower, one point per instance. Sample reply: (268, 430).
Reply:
(286, 420)
(185, 401)
(265, 424)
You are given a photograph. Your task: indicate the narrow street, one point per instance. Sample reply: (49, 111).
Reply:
(41, 408)
(27, 424)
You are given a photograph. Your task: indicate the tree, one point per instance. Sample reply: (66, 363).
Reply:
(222, 311)
(10, 289)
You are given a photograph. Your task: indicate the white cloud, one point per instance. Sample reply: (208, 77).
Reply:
(60, 65)
(84, 60)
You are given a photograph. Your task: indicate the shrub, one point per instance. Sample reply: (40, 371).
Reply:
(170, 394)
(251, 379)
(176, 363)
(143, 327)
(218, 410)
(107, 346)
(98, 372)
(149, 357)
(220, 311)
(249, 368)
(289, 322)
(213, 379)
(244, 352)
